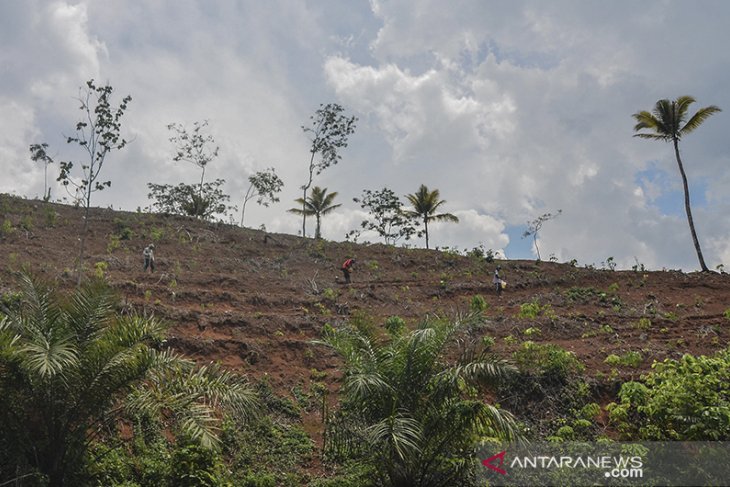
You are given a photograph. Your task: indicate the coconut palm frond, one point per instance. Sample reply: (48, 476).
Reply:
(699, 117)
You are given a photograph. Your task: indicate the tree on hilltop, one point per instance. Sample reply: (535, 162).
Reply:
(668, 122)
(317, 205)
(329, 132)
(98, 133)
(425, 204)
(534, 226)
(203, 200)
(264, 186)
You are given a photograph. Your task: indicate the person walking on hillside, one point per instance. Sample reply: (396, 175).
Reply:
(347, 269)
(149, 258)
(497, 280)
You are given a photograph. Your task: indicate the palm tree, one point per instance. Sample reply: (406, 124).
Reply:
(70, 368)
(425, 203)
(667, 122)
(412, 409)
(319, 203)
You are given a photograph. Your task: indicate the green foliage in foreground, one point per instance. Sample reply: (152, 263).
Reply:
(71, 367)
(415, 416)
(686, 399)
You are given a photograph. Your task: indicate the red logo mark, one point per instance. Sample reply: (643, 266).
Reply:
(488, 462)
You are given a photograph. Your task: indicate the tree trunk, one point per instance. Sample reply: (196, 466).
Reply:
(425, 228)
(304, 198)
(688, 209)
(84, 231)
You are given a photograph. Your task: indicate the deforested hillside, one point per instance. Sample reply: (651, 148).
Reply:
(254, 303)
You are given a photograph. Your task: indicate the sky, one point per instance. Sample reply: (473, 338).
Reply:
(510, 109)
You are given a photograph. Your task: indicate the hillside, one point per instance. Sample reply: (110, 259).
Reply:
(254, 301)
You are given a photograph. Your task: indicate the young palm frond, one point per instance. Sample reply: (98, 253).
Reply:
(416, 412)
(397, 435)
(72, 364)
(192, 397)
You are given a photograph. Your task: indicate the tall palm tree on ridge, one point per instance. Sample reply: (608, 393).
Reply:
(667, 122)
(318, 204)
(425, 204)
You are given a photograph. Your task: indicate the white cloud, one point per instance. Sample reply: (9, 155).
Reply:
(509, 109)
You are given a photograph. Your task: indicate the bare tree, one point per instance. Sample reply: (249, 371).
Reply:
(535, 225)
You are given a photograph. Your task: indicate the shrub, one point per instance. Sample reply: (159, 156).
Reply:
(529, 310)
(566, 433)
(478, 304)
(533, 309)
(100, 269)
(7, 228)
(643, 323)
(157, 233)
(363, 322)
(590, 411)
(547, 359)
(629, 359)
(683, 400)
(395, 325)
(122, 229)
(580, 294)
(329, 294)
(51, 217)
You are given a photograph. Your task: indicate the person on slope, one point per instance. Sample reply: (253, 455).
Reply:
(149, 258)
(347, 269)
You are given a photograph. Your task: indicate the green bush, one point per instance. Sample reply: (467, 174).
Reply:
(684, 400)
(580, 294)
(395, 325)
(122, 230)
(548, 359)
(530, 310)
(329, 294)
(590, 411)
(478, 304)
(7, 228)
(363, 322)
(643, 323)
(628, 359)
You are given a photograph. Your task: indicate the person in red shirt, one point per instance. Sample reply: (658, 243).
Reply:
(347, 269)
